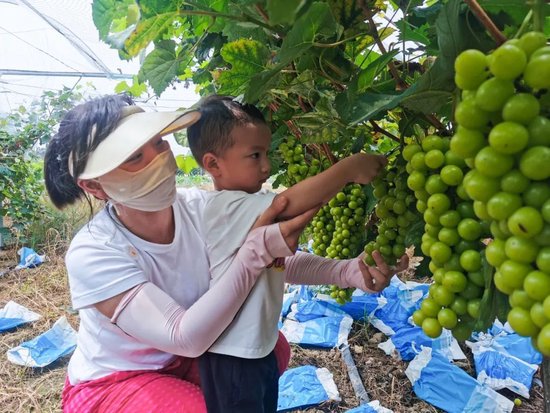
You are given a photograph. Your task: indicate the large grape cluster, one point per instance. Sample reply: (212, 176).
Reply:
(504, 134)
(338, 230)
(396, 213)
(452, 238)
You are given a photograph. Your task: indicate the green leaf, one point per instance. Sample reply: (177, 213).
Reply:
(186, 163)
(246, 57)
(147, 31)
(414, 235)
(355, 109)
(367, 76)
(150, 8)
(162, 65)
(104, 12)
(283, 11)
(409, 33)
(517, 10)
(316, 24)
(494, 304)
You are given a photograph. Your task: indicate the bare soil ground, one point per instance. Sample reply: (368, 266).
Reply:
(44, 290)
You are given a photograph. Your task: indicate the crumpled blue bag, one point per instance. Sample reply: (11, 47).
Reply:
(408, 341)
(397, 303)
(306, 386)
(14, 315)
(326, 332)
(450, 388)
(362, 305)
(504, 359)
(29, 258)
(57, 342)
(317, 323)
(499, 370)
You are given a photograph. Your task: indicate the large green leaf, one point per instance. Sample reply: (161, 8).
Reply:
(149, 30)
(151, 8)
(105, 11)
(162, 65)
(283, 11)
(246, 57)
(517, 10)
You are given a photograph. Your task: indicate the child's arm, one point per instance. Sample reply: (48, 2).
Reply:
(310, 269)
(360, 168)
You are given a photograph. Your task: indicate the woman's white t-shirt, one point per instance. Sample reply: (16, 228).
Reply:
(105, 259)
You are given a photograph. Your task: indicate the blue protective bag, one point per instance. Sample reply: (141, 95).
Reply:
(326, 332)
(305, 386)
(504, 359)
(13, 315)
(450, 388)
(57, 342)
(408, 341)
(29, 258)
(499, 370)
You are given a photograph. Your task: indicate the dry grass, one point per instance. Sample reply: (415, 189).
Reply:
(44, 290)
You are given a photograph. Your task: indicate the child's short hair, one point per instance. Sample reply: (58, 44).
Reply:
(219, 115)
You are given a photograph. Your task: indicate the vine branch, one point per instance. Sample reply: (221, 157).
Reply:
(486, 21)
(383, 131)
(400, 84)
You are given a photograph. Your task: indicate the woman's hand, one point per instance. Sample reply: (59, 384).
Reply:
(292, 228)
(376, 278)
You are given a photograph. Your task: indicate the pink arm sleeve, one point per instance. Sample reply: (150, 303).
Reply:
(150, 315)
(310, 269)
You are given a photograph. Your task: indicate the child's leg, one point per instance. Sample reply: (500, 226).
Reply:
(166, 391)
(238, 385)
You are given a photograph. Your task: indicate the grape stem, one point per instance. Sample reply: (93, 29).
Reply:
(486, 21)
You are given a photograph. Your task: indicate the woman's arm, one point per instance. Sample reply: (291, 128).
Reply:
(151, 316)
(360, 168)
(304, 268)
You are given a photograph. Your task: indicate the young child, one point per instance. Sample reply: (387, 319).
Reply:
(231, 142)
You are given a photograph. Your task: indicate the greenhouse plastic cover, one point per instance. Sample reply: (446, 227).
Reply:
(14, 315)
(306, 386)
(450, 388)
(57, 342)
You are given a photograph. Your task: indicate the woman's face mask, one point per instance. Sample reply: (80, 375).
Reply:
(152, 188)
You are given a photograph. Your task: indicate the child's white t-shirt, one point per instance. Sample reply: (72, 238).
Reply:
(228, 217)
(105, 259)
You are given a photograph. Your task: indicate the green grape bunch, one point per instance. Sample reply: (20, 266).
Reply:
(452, 238)
(299, 165)
(503, 138)
(395, 211)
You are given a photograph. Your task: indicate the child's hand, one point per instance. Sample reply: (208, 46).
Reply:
(367, 166)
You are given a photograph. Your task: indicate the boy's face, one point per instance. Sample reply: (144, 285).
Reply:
(245, 166)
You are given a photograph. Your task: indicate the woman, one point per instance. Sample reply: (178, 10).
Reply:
(138, 272)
